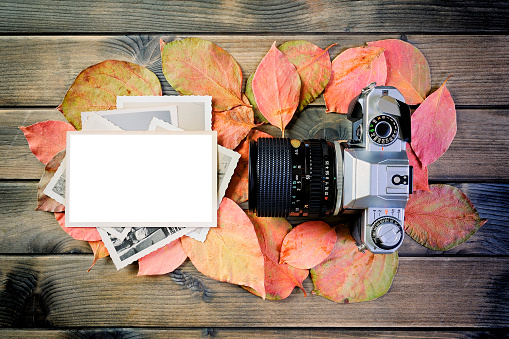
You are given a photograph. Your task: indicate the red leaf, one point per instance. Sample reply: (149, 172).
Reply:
(96, 88)
(434, 126)
(420, 173)
(239, 183)
(308, 244)
(280, 279)
(195, 66)
(164, 260)
(348, 275)
(99, 250)
(276, 88)
(407, 69)
(231, 251)
(313, 65)
(442, 218)
(353, 70)
(45, 203)
(78, 233)
(233, 125)
(47, 138)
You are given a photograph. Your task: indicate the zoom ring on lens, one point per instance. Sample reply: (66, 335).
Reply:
(315, 177)
(274, 177)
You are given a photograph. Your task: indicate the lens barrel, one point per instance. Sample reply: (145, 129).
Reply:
(292, 178)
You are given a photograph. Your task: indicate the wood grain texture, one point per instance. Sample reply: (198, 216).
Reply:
(24, 230)
(139, 333)
(247, 16)
(37, 71)
(58, 292)
(478, 152)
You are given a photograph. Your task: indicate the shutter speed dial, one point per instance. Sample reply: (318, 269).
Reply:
(387, 232)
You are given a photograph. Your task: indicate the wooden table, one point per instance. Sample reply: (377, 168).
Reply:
(45, 289)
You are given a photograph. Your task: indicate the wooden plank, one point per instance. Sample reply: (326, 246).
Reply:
(427, 292)
(25, 230)
(478, 152)
(247, 16)
(478, 63)
(135, 333)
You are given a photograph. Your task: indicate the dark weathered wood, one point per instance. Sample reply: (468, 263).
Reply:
(25, 230)
(248, 16)
(57, 291)
(478, 152)
(37, 71)
(138, 333)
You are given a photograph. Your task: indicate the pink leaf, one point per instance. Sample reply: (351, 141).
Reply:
(164, 260)
(47, 138)
(276, 88)
(45, 203)
(78, 233)
(420, 173)
(434, 126)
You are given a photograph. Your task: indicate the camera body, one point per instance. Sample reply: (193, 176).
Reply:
(369, 173)
(377, 178)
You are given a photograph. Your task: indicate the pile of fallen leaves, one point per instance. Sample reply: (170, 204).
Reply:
(267, 256)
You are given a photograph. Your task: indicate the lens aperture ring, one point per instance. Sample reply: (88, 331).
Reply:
(315, 167)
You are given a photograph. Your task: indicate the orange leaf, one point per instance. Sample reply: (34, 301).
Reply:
(434, 126)
(239, 183)
(348, 275)
(231, 251)
(276, 88)
(420, 173)
(47, 138)
(195, 66)
(96, 88)
(407, 69)
(45, 203)
(233, 125)
(353, 70)
(78, 233)
(280, 279)
(308, 244)
(442, 218)
(164, 260)
(313, 65)
(99, 250)
(258, 116)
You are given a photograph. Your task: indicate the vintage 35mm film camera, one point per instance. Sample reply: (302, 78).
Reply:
(369, 173)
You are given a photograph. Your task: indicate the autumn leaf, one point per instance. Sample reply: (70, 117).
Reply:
(308, 244)
(313, 65)
(353, 70)
(276, 88)
(45, 203)
(258, 116)
(407, 69)
(47, 138)
(348, 275)
(239, 183)
(420, 173)
(78, 233)
(99, 250)
(233, 125)
(280, 279)
(96, 88)
(442, 218)
(231, 251)
(195, 66)
(163, 260)
(434, 126)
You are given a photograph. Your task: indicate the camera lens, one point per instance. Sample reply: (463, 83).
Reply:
(293, 178)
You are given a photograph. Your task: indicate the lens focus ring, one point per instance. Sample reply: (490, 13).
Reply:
(315, 180)
(274, 177)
